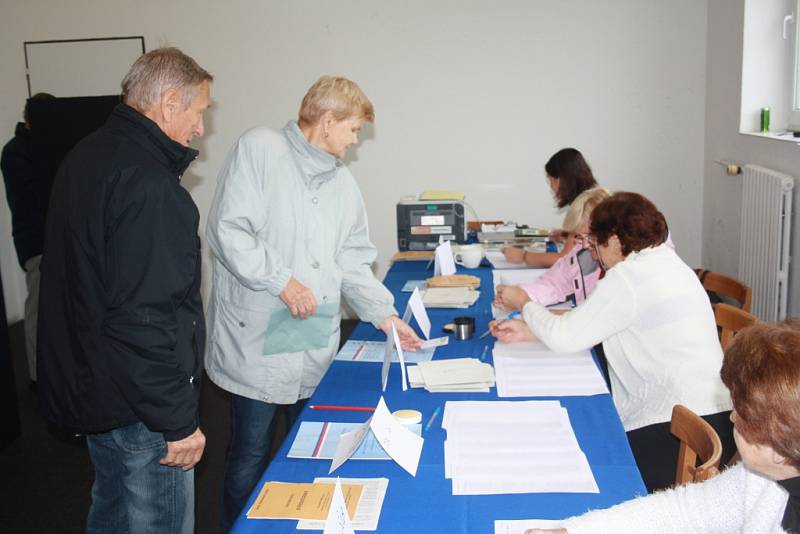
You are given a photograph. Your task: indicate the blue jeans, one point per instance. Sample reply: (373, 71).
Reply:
(252, 434)
(132, 492)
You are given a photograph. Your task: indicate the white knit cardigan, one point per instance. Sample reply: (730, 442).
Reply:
(738, 500)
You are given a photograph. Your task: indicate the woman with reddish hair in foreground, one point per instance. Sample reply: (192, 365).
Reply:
(759, 495)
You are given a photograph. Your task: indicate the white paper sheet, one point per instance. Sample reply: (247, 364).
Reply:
(515, 277)
(444, 262)
(432, 343)
(499, 261)
(387, 361)
(400, 357)
(420, 314)
(369, 507)
(505, 447)
(338, 521)
(401, 444)
(543, 373)
(348, 444)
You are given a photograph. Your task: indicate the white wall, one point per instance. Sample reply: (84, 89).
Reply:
(468, 94)
(723, 194)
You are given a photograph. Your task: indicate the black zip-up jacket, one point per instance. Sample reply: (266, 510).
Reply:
(27, 219)
(121, 327)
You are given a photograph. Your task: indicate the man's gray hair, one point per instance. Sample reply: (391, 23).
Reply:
(156, 72)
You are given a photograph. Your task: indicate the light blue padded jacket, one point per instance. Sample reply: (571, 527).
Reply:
(283, 208)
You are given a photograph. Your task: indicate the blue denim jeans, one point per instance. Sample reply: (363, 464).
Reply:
(252, 434)
(132, 492)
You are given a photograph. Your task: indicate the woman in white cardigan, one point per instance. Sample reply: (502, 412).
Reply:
(760, 495)
(657, 328)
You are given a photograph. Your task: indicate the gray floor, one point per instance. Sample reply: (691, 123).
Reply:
(45, 477)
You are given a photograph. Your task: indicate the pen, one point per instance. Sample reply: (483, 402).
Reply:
(433, 416)
(512, 315)
(341, 408)
(483, 354)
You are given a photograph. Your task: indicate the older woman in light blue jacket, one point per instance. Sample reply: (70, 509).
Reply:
(288, 231)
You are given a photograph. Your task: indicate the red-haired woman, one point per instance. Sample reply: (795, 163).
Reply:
(761, 494)
(657, 329)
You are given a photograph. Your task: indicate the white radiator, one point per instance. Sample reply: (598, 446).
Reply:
(765, 238)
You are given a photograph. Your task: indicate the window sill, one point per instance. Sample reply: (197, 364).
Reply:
(776, 136)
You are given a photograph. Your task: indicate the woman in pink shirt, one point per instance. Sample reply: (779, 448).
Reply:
(577, 271)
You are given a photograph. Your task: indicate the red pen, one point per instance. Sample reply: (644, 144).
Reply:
(341, 408)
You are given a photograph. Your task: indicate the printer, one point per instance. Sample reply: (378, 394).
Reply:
(421, 223)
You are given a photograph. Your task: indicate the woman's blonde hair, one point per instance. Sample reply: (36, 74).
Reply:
(338, 95)
(581, 208)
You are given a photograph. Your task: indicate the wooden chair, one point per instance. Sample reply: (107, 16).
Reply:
(730, 320)
(727, 286)
(698, 439)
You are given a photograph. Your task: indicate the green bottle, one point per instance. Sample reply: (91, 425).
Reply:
(764, 120)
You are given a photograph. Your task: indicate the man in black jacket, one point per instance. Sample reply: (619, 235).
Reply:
(121, 328)
(27, 220)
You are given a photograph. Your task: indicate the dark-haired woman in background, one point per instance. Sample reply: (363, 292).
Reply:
(657, 329)
(568, 175)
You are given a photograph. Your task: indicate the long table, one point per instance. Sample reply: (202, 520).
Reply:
(425, 503)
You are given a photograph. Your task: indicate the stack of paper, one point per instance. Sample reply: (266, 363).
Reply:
(461, 375)
(355, 350)
(515, 277)
(368, 509)
(513, 447)
(450, 297)
(531, 370)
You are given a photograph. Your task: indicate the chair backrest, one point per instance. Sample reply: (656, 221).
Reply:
(730, 320)
(698, 440)
(727, 286)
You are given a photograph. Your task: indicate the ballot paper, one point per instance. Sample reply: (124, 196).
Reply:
(401, 444)
(444, 264)
(450, 297)
(453, 375)
(499, 261)
(515, 277)
(519, 526)
(318, 440)
(289, 500)
(368, 510)
(527, 372)
(354, 350)
(420, 314)
(513, 447)
(399, 349)
(338, 521)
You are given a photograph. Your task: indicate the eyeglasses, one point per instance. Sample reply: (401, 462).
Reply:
(586, 239)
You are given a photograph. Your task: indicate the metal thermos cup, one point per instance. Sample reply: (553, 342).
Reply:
(463, 327)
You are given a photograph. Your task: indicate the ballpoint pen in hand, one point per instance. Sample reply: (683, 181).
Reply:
(513, 315)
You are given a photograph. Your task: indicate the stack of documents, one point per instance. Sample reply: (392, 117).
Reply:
(461, 375)
(513, 447)
(449, 297)
(355, 350)
(319, 440)
(532, 370)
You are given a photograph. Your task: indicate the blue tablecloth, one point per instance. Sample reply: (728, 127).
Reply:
(425, 503)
